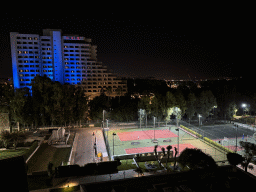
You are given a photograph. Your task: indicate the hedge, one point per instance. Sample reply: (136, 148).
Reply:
(189, 130)
(31, 150)
(218, 145)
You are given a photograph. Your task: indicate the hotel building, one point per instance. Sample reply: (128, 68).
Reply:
(69, 59)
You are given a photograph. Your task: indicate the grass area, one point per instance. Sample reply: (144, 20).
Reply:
(128, 164)
(38, 182)
(45, 154)
(66, 189)
(5, 154)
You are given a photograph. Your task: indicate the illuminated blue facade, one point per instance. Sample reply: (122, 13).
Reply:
(69, 59)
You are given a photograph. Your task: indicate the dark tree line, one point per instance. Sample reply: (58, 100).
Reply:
(49, 103)
(162, 106)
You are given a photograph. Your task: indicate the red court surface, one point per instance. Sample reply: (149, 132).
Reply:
(233, 148)
(151, 149)
(148, 134)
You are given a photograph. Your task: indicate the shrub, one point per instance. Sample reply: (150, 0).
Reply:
(195, 158)
(191, 131)
(218, 145)
(31, 150)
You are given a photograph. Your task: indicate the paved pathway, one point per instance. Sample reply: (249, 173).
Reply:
(83, 148)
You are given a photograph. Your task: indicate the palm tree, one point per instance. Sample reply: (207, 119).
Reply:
(175, 157)
(169, 147)
(156, 151)
(119, 92)
(109, 91)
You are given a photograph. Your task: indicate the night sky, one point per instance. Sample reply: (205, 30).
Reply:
(210, 42)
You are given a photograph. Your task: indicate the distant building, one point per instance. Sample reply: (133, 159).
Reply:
(69, 59)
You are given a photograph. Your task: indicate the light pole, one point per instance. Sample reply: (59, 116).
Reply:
(107, 128)
(236, 137)
(178, 139)
(244, 106)
(113, 144)
(140, 118)
(103, 119)
(199, 119)
(146, 119)
(155, 140)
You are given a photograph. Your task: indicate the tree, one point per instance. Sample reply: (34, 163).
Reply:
(158, 106)
(169, 147)
(191, 106)
(195, 158)
(249, 153)
(155, 150)
(144, 103)
(17, 137)
(180, 101)
(170, 102)
(97, 105)
(234, 159)
(205, 103)
(5, 136)
(109, 91)
(42, 92)
(119, 92)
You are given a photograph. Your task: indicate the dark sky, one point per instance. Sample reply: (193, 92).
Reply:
(210, 41)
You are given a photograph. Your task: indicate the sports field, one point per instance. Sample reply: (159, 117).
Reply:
(224, 134)
(135, 140)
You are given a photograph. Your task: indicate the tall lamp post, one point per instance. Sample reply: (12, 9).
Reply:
(155, 140)
(244, 106)
(199, 119)
(113, 144)
(178, 139)
(103, 118)
(236, 126)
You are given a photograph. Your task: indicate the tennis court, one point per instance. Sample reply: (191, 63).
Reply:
(135, 140)
(151, 148)
(147, 134)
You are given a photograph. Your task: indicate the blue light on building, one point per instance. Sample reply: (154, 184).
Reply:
(69, 59)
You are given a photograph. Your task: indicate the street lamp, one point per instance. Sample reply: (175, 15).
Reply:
(243, 106)
(155, 140)
(236, 126)
(140, 118)
(199, 119)
(113, 144)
